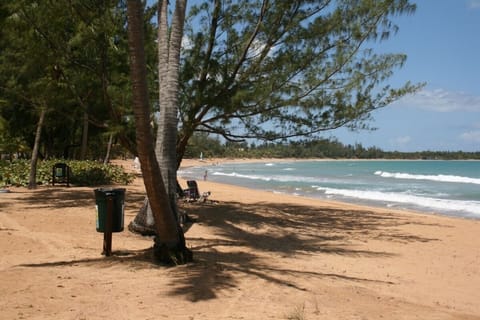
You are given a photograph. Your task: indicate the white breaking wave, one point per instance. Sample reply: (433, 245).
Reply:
(439, 178)
(279, 178)
(244, 176)
(472, 207)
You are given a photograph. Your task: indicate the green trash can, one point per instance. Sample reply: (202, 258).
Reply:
(118, 206)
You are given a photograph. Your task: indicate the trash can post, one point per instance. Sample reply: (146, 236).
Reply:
(107, 235)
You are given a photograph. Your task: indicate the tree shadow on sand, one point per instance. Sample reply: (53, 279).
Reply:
(133, 258)
(254, 240)
(275, 232)
(53, 197)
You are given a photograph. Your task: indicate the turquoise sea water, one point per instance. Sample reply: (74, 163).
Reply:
(444, 187)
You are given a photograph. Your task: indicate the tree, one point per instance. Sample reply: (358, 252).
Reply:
(281, 69)
(169, 241)
(169, 45)
(32, 180)
(80, 47)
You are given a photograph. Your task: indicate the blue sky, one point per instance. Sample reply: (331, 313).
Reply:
(442, 41)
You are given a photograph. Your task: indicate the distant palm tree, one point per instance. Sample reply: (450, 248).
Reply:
(169, 241)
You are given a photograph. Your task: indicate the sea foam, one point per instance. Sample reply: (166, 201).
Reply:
(439, 178)
(471, 207)
(243, 176)
(278, 178)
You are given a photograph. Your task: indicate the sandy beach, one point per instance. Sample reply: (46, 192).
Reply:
(258, 255)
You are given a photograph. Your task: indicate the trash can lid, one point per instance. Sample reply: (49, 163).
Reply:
(109, 191)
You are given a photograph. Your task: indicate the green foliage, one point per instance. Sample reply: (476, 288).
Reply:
(82, 173)
(202, 144)
(91, 173)
(70, 57)
(319, 148)
(251, 69)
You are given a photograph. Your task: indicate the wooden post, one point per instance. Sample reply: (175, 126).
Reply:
(107, 235)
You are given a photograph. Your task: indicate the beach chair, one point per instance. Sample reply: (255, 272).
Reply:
(192, 193)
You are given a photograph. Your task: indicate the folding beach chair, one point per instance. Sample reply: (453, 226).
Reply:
(192, 193)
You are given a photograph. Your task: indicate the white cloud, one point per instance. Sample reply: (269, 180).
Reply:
(187, 43)
(441, 100)
(471, 136)
(474, 4)
(256, 49)
(401, 141)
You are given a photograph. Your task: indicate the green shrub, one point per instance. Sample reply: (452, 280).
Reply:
(82, 173)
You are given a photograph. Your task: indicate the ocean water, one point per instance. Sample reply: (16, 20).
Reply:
(443, 187)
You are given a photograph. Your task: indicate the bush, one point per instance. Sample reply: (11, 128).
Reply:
(82, 173)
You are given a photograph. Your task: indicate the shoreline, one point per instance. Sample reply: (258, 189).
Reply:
(402, 207)
(205, 186)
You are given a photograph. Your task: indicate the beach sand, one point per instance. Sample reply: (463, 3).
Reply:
(258, 255)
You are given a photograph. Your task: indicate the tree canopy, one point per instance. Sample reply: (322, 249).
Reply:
(262, 69)
(69, 57)
(280, 69)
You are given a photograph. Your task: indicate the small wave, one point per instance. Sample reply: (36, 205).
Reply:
(439, 178)
(244, 176)
(472, 207)
(277, 178)
(183, 173)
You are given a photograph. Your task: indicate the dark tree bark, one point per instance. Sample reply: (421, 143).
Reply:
(32, 180)
(169, 242)
(169, 45)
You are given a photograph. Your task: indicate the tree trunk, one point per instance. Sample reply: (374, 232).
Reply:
(83, 150)
(109, 148)
(169, 242)
(182, 145)
(32, 181)
(168, 73)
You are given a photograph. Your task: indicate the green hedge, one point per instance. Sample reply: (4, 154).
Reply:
(82, 173)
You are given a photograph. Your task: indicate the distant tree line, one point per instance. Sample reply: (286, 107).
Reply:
(206, 146)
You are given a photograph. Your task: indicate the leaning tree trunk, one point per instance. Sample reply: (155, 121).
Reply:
(169, 241)
(165, 148)
(32, 180)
